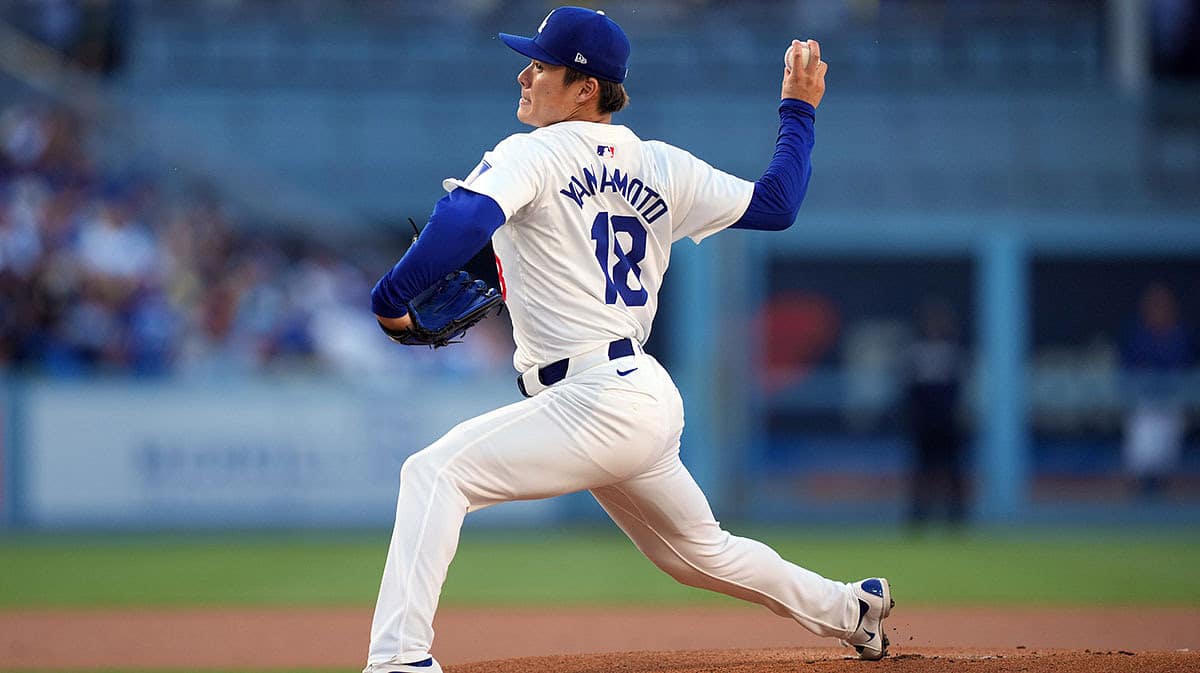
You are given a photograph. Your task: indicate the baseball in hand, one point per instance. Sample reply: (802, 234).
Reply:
(805, 50)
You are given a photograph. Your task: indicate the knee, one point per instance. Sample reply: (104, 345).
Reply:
(679, 570)
(420, 468)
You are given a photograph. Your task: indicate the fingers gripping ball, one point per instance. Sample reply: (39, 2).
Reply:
(447, 310)
(805, 52)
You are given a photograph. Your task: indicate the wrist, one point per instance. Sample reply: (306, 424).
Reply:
(382, 301)
(399, 324)
(797, 105)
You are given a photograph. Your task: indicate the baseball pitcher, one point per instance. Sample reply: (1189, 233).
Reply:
(582, 214)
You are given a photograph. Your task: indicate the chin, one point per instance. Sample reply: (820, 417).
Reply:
(530, 121)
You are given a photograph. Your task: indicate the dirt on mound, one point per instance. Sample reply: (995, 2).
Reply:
(826, 660)
(601, 639)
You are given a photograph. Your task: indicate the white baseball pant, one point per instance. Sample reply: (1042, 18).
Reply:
(615, 435)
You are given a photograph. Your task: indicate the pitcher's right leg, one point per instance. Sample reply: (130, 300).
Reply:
(667, 516)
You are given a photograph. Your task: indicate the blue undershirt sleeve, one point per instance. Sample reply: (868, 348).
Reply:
(461, 224)
(778, 193)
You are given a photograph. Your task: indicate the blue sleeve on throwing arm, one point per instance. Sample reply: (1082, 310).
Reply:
(778, 193)
(461, 224)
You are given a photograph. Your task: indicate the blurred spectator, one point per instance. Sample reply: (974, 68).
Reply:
(100, 273)
(1157, 349)
(935, 374)
(112, 247)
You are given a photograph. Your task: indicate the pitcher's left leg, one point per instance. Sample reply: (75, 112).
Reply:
(566, 439)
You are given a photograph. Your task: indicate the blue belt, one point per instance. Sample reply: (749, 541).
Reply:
(556, 371)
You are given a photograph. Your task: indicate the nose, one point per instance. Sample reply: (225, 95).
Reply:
(523, 76)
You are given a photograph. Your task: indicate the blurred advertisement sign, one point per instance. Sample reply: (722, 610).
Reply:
(126, 455)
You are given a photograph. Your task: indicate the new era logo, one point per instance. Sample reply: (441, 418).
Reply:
(579, 58)
(606, 150)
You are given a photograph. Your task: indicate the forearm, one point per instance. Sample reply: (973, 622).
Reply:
(781, 189)
(461, 224)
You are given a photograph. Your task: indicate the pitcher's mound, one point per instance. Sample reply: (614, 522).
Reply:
(828, 660)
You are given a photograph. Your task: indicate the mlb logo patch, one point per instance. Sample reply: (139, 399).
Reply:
(606, 150)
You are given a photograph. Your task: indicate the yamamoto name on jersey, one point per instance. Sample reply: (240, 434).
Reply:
(647, 202)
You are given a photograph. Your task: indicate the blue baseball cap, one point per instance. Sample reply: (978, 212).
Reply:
(584, 39)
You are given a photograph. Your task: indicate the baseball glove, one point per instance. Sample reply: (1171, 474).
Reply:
(446, 311)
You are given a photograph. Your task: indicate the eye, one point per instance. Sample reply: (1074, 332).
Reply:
(537, 66)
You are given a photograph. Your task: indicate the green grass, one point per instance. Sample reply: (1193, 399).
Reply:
(588, 568)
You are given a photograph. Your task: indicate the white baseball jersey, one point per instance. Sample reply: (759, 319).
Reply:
(592, 211)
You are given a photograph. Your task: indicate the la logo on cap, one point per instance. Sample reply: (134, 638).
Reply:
(543, 26)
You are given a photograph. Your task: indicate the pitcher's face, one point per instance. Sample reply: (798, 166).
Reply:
(545, 100)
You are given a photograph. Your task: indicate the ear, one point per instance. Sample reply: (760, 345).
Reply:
(589, 89)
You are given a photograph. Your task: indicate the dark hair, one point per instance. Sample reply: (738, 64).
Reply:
(612, 94)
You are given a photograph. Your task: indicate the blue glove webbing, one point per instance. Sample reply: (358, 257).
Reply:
(461, 224)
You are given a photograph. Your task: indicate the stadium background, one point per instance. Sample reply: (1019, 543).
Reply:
(195, 198)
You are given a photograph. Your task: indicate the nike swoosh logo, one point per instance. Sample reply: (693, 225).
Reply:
(862, 612)
(627, 372)
(863, 608)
